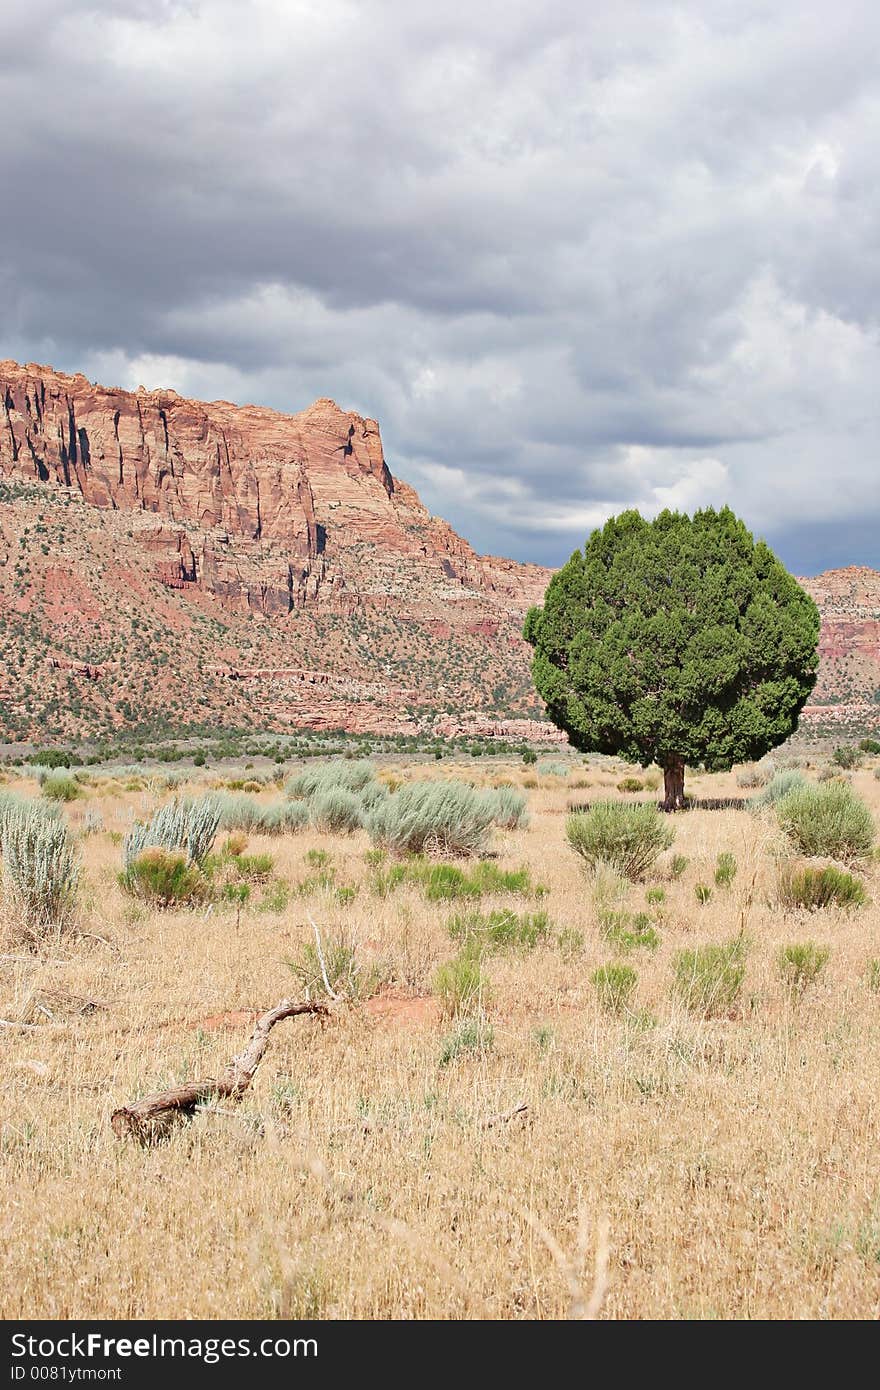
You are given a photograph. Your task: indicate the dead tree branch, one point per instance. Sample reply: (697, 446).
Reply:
(150, 1119)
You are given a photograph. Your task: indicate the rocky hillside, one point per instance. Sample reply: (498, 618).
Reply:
(163, 559)
(847, 694)
(166, 562)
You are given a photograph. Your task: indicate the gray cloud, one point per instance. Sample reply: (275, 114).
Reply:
(572, 261)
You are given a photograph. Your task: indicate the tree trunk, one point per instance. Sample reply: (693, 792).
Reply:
(673, 785)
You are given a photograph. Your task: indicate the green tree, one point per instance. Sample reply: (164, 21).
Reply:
(675, 641)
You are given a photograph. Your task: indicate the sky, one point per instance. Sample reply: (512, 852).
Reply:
(573, 257)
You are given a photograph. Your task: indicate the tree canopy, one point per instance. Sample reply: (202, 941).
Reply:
(679, 640)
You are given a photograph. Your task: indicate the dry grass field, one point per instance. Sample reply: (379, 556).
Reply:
(719, 1167)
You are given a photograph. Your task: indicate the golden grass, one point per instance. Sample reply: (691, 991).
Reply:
(734, 1159)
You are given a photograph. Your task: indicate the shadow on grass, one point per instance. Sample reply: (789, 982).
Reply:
(694, 803)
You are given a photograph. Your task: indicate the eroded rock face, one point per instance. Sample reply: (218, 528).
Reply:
(268, 511)
(239, 565)
(848, 689)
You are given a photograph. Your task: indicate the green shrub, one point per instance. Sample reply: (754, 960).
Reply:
(529, 757)
(725, 869)
(500, 929)
(508, 808)
(677, 865)
(628, 838)
(870, 745)
(627, 932)
(813, 888)
(702, 893)
(351, 776)
(445, 882)
(336, 810)
(40, 867)
(448, 882)
(630, 784)
(828, 820)
(186, 824)
(253, 868)
(781, 784)
(437, 818)
(60, 786)
(801, 964)
(473, 1036)
(283, 818)
(460, 984)
(614, 985)
(163, 877)
(344, 974)
(708, 979)
(847, 757)
(655, 896)
(241, 812)
(873, 975)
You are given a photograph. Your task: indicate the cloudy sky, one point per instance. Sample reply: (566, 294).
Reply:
(573, 257)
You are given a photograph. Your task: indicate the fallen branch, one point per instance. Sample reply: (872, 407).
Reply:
(149, 1119)
(11, 1023)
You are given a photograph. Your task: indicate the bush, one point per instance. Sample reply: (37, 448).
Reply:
(187, 825)
(828, 820)
(40, 867)
(801, 964)
(614, 985)
(335, 809)
(628, 933)
(352, 776)
(870, 745)
(677, 865)
(847, 757)
(725, 869)
(344, 974)
(630, 784)
(253, 868)
(627, 838)
(812, 888)
(529, 757)
(447, 882)
(239, 812)
(780, 785)
(708, 979)
(750, 777)
(460, 985)
(508, 808)
(500, 929)
(163, 877)
(440, 818)
(283, 818)
(60, 786)
(702, 893)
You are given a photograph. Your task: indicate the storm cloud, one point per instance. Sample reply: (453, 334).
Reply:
(573, 258)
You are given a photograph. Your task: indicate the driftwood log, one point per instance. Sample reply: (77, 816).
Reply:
(150, 1119)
